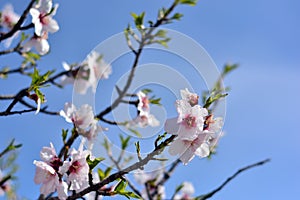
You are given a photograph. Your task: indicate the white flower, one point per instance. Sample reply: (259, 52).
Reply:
(40, 44)
(83, 119)
(77, 169)
(144, 119)
(143, 104)
(8, 17)
(187, 149)
(48, 177)
(42, 17)
(186, 192)
(189, 122)
(192, 98)
(142, 177)
(98, 69)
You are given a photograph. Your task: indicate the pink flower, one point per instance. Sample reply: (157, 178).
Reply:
(187, 149)
(8, 17)
(40, 44)
(186, 192)
(91, 71)
(47, 175)
(77, 169)
(144, 119)
(143, 104)
(192, 98)
(83, 119)
(42, 17)
(197, 131)
(189, 122)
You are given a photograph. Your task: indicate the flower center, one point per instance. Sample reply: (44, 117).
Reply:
(44, 19)
(75, 167)
(189, 121)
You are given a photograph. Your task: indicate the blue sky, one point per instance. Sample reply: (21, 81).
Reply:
(262, 108)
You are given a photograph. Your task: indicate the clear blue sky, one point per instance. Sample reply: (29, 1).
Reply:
(262, 108)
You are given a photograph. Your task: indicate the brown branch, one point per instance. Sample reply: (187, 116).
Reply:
(5, 113)
(121, 173)
(137, 54)
(210, 194)
(17, 26)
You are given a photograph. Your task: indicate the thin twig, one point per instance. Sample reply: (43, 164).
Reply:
(17, 26)
(121, 173)
(210, 194)
(136, 61)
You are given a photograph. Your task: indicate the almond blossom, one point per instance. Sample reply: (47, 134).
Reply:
(8, 19)
(77, 169)
(187, 191)
(144, 118)
(83, 119)
(190, 121)
(197, 131)
(40, 44)
(42, 15)
(144, 103)
(88, 74)
(47, 173)
(154, 177)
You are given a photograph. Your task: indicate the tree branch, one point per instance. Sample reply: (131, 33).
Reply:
(210, 194)
(19, 23)
(137, 54)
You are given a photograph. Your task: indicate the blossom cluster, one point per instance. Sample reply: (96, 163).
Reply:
(42, 13)
(91, 70)
(144, 117)
(196, 129)
(151, 179)
(83, 120)
(56, 175)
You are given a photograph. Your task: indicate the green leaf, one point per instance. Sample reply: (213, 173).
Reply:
(146, 91)
(93, 163)
(101, 174)
(135, 132)
(121, 186)
(138, 19)
(188, 2)
(129, 194)
(107, 172)
(155, 101)
(177, 16)
(64, 135)
(106, 144)
(24, 36)
(214, 98)
(228, 68)
(124, 141)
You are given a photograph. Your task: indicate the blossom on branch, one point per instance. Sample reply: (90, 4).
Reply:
(76, 169)
(42, 14)
(144, 118)
(8, 19)
(40, 44)
(88, 74)
(196, 130)
(47, 173)
(83, 119)
(187, 191)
